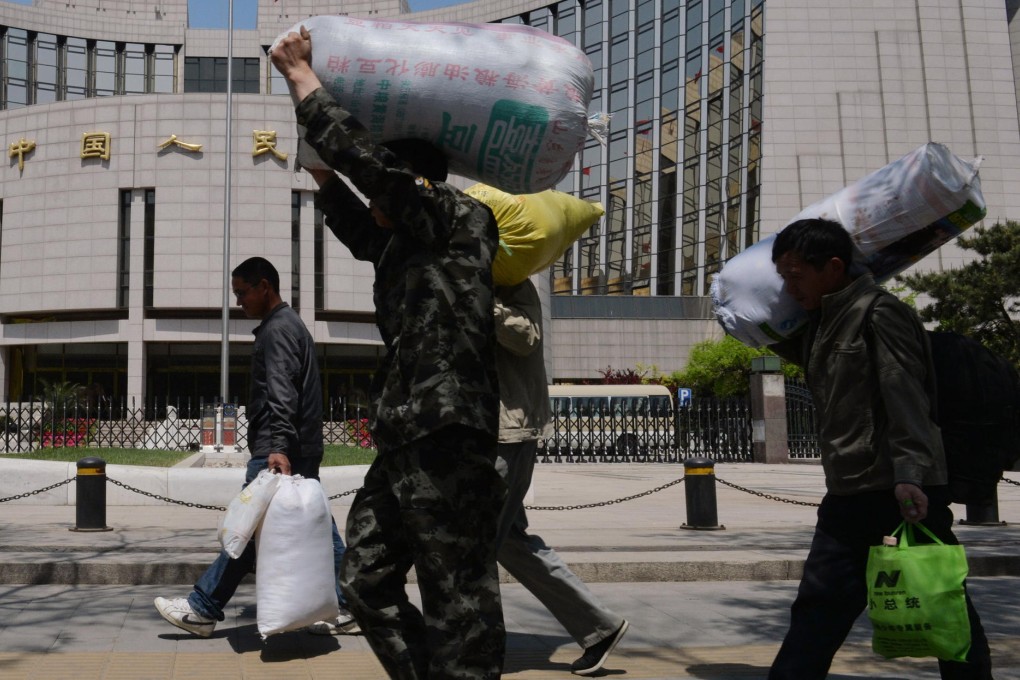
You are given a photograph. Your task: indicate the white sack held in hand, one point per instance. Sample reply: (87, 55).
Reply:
(507, 104)
(895, 216)
(295, 584)
(246, 511)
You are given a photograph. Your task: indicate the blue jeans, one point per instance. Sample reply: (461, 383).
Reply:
(220, 581)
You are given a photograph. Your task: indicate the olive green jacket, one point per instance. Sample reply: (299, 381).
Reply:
(873, 388)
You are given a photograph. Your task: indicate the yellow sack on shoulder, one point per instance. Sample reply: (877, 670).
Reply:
(534, 229)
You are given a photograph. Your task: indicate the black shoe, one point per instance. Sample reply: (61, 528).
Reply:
(596, 655)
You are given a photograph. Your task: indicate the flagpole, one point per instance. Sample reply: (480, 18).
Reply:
(225, 348)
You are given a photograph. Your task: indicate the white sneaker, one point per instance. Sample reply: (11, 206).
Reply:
(344, 624)
(178, 612)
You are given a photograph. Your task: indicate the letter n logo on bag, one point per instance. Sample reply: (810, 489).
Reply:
(885, 579)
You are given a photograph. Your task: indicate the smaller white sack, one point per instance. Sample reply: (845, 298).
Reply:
(295, 584)
(245, 512)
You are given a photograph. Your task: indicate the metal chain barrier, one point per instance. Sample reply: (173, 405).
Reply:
(345, 493)
(603, 503)
(765, 495)
(164, 498)
(37, 491)
(814, 505)
(199, 505)
(140, 492)
(599, 504)
(194, 505)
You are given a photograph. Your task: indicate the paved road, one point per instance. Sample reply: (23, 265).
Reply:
(679, 630)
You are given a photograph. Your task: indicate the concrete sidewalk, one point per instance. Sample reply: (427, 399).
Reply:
(637, 540)
(703, 604)
(714, 630)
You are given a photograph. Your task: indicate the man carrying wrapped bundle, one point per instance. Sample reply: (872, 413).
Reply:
(868, 365)
(432, 497)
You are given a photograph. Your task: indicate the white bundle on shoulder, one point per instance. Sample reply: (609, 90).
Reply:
(507, 104)
(895, 216)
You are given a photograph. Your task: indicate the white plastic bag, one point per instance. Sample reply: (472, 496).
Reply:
(295, 583)
(895, 216)
(507, 104)
(245, 512)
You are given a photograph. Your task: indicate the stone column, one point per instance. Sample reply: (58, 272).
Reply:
(768, 411)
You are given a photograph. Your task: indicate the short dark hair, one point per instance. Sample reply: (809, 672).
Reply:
(424, 158)
(254, 269)
(817, 241)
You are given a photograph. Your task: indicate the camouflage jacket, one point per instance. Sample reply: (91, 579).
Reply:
(433, 281)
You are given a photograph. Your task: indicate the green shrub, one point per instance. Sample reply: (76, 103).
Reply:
(722, 368)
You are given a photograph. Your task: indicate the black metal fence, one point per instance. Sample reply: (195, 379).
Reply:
(180, 426)
(718, 429)
(800, 422)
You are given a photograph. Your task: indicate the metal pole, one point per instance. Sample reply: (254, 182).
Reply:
(985, 512)
(90, 496)
(699, 487)
(225, 350)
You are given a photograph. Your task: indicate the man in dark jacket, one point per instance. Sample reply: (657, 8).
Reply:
(284, 435)
(868, 365)
(432, 497)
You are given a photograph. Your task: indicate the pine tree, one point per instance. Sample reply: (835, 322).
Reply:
(982, 298)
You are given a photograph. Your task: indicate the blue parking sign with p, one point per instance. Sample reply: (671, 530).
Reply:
(683, 396)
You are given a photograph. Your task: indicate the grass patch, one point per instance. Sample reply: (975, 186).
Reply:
(334, 455)
(149, 457)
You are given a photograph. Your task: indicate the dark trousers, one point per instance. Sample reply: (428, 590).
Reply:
(833, 590)
(433, 504)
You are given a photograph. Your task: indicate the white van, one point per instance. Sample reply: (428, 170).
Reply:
(621, 420)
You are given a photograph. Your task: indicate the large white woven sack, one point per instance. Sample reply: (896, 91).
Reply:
(295, 584)
(895, 216)
(507, 104)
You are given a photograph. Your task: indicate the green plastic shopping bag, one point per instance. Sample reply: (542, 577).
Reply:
(916, 601)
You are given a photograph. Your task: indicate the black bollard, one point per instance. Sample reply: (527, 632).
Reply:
(699, 487)
(90, 487)
(985, 512)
